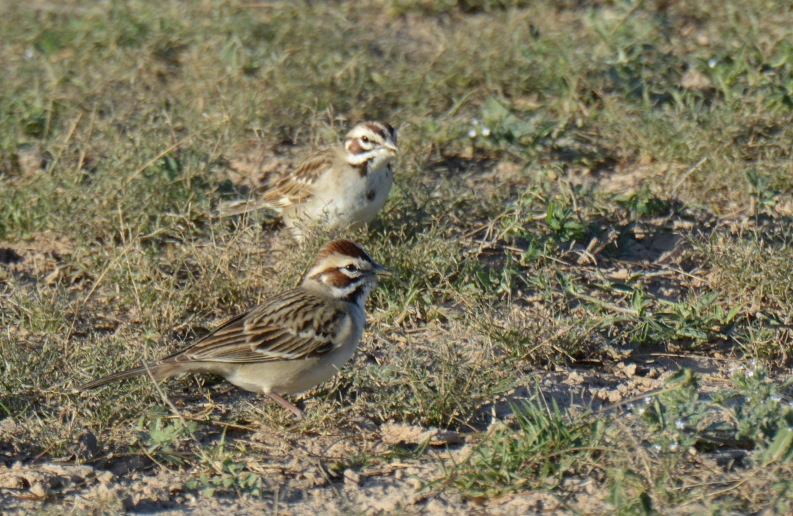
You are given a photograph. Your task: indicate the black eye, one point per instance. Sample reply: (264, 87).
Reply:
(351, 267)
(365, 139)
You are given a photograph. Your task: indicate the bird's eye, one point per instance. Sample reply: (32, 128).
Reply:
(351, 267)
(365, 139)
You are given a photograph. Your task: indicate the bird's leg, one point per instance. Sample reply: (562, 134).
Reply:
(281, 401)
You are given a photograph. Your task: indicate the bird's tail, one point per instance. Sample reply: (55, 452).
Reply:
(227, 209)
(157, 370)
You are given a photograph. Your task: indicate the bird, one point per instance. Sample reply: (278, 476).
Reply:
(342, 186)
(291, 342)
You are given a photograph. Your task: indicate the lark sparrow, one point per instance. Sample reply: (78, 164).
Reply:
(292, 342)
(341, 186)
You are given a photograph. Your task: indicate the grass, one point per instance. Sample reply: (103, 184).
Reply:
(582, 188)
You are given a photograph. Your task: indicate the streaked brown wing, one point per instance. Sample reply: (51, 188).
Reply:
(294, 187)
(290, 326)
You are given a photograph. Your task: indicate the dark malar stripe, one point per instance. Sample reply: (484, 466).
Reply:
(355, 295)
(363, 168)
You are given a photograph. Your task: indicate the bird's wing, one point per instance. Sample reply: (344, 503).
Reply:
(295, 187)
(290, 326)
(291, 188)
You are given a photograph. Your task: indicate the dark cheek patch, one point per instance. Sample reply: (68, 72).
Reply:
(337, 279)
(355, 147)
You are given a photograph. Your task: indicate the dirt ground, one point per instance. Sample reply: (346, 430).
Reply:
(299, 468)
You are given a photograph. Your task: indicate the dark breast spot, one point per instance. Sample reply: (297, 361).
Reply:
(370, 195)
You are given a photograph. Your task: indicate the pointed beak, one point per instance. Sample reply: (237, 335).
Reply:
(381, 271)
(392, 147)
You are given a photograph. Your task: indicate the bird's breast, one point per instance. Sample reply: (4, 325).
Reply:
(351, 199)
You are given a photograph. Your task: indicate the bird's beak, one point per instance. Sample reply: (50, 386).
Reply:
(381, 271)
(392, 147)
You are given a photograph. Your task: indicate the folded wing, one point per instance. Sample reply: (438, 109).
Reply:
(290, 189)
(291, 326)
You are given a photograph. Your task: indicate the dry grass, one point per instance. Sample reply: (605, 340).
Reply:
(595, 297)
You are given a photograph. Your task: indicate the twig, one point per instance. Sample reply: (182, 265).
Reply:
(220, 423)
(688, 173)
(684, 273)
(155, 159)
(107, 269)
(66, 141)
(95, 286)
(603, 304)
(176, 412)
(625, 18)
(544, 342)
(460, 102)
(404, 313)
(82, 150)
(40, 455)
(149, 455)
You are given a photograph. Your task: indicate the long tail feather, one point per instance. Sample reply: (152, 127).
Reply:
(227, 209)
(158, 370)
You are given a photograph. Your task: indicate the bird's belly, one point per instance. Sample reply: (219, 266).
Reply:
(356, 202)
(291, 376)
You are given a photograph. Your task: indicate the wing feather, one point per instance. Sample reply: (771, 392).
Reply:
(295, 187)
(290, 326)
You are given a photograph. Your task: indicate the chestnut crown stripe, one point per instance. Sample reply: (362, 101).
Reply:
(385, 130)
(344, 247)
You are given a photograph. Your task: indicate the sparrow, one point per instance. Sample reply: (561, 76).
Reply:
(338, 187)
(290, 343)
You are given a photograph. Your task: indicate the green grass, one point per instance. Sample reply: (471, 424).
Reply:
(608, 210)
